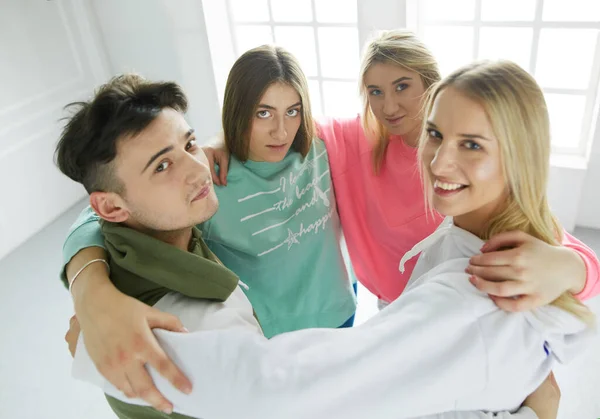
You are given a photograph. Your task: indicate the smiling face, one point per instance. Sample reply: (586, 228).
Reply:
(166, 177)
(395, 96)
(275, 123)
(461, 161)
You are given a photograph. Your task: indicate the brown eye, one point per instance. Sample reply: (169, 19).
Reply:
(191, 144)
(162, 167)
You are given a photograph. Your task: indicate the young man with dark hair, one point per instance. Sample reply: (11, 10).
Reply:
(150, 183)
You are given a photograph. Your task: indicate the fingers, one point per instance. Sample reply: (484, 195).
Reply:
(552, 380)
(156, 356)
(144, 388)
(223, 168)
(214, 176)
(211, 157)
(71, 343)
(497, 257)
(160, 320)
(504, 240)
(117, 377)
(158, 359)
(505, 289)
(72, 335)
(513, 305)
(494, 273)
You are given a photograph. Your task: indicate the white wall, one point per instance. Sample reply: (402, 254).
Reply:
(164, 39)
(55, 52)
(565, 188)
(49, 56)
(589, 204)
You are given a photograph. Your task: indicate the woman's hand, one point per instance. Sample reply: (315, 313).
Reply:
(73, 334)
(520, 272)
(217, 153)
(545, 399)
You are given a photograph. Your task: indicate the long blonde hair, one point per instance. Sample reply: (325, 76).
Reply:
(515, 106)
(401, 48)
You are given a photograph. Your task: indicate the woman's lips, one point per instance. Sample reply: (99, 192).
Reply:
(394, 121)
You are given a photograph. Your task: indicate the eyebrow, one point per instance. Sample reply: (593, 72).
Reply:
(470, 136)
(165, 150)
(262, 105)
(401, 79)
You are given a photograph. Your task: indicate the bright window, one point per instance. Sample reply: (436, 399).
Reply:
(554, 40)
(322, 34)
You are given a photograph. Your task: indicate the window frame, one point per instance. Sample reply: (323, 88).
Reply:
(416, 15)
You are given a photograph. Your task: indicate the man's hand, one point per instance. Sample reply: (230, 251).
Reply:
(118, 336)
(117, 331)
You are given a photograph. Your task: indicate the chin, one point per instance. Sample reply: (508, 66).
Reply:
(447, 210)
(396, 130)
(206, 210)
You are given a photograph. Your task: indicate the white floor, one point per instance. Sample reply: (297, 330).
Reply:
(35, 380)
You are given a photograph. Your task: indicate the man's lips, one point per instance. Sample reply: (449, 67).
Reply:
(203, 193)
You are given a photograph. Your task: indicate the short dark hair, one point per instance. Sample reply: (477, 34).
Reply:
(124, 106)
(249, 78)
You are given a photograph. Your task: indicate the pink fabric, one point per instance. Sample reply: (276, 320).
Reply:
(383, 216)
(592, 283)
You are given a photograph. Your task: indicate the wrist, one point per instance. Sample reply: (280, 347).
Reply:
(92, 285)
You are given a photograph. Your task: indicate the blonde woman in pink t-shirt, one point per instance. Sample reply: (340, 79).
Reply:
(373, 159)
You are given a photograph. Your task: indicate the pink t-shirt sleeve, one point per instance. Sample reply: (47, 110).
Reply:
(592, 266)
(341, 136)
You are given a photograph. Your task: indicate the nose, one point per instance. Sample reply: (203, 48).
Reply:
(197, 172)
(444, 160)
(390, 106)
(278, 131)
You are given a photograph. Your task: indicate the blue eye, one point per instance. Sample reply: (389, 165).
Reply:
(472, 145)
(375, 92)
(434, 134)
(400, 87)
(263, 114)
(293, 112)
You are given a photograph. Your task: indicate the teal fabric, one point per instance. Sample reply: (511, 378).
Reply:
(85, 232)
(278, 229)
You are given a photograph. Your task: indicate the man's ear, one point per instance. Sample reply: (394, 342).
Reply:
(109, 206)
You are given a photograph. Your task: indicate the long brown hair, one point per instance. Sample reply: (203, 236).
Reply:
(249, 78)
